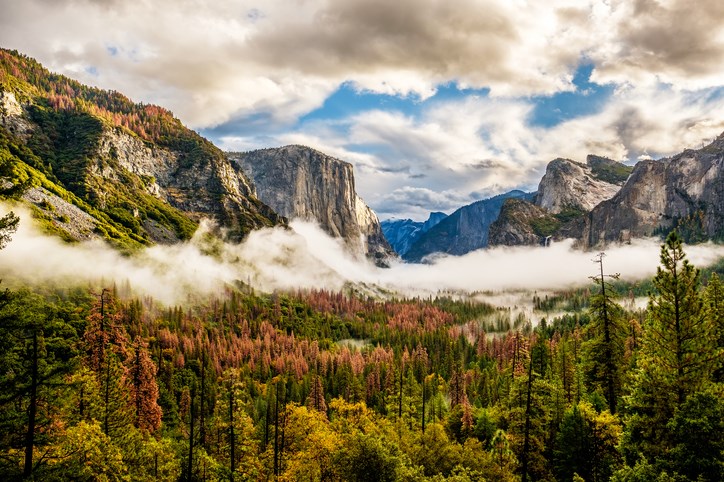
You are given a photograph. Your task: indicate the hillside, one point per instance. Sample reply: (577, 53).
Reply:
(136, 174)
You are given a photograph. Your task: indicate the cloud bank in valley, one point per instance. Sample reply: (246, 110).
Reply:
(307, 258)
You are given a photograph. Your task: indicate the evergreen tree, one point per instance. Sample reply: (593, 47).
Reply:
(8, 225)
(677, 355)
(603, 352)
(315, 399)
(36, 351)
(714, 298)
(586, 444)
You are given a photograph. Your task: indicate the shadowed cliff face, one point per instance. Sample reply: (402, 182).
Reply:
(300, 182)
(684, 192)
(402, 233)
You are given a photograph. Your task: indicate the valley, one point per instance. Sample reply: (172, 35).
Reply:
(171, 311)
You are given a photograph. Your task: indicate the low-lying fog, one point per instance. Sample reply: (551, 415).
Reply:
(305, 257)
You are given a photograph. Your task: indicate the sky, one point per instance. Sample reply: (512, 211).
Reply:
(436, 103)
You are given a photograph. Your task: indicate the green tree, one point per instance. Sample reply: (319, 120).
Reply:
(8, 226)
(586, 444)
(676, 359)
(698, 436)
(36, 351)
(603, 352)
(714, 298)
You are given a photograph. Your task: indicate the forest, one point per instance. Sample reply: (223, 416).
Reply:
(99, 384)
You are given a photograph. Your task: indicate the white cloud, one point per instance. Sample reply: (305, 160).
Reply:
(210, 62)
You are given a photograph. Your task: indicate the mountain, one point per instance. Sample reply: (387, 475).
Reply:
(571, 185)
(522, 223)
(402, 233)
(464, 230)
(685, 192)
(103, 166)
(300, 182)
(566, 194)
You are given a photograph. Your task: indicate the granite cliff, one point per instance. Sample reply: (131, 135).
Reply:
(300, 182)
(685, 192)
(571, 185)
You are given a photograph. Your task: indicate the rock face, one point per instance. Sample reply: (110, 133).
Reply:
(571, 185)
(685, 191)
(300, 182)
(464, 230)
(210, 187)
(135, 169)
(402, 233)
(567, 192)
(516, 225)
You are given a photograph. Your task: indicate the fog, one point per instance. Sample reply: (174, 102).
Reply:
(305, 257)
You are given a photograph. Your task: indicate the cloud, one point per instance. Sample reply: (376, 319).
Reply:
(306, 257)
(235, 59)
(669, 41)
(419, 202)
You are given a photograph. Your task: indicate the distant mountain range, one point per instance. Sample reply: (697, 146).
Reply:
(402, 233)
(464, 230)
(98, 165)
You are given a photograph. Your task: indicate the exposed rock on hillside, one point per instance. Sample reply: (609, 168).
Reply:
(134, 168)
(569, 184)
(300, 182)
(685, 191)
(522, 223)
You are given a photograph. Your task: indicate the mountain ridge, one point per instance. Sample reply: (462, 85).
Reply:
(134, 168)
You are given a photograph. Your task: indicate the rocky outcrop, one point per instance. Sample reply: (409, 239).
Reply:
(300, 182)
(571, 185)
(464, 230)
(521, 223)
(685, 192)
(402, 233)
(203, 188)
(12, 115)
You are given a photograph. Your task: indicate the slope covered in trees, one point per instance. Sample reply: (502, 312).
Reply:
(325, 386)
(135, 169)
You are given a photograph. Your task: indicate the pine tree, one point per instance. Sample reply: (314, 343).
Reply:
(677, 355)
(36, 351)
(8, 226)
(714, 298)
(603, 352)
(315, 399)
